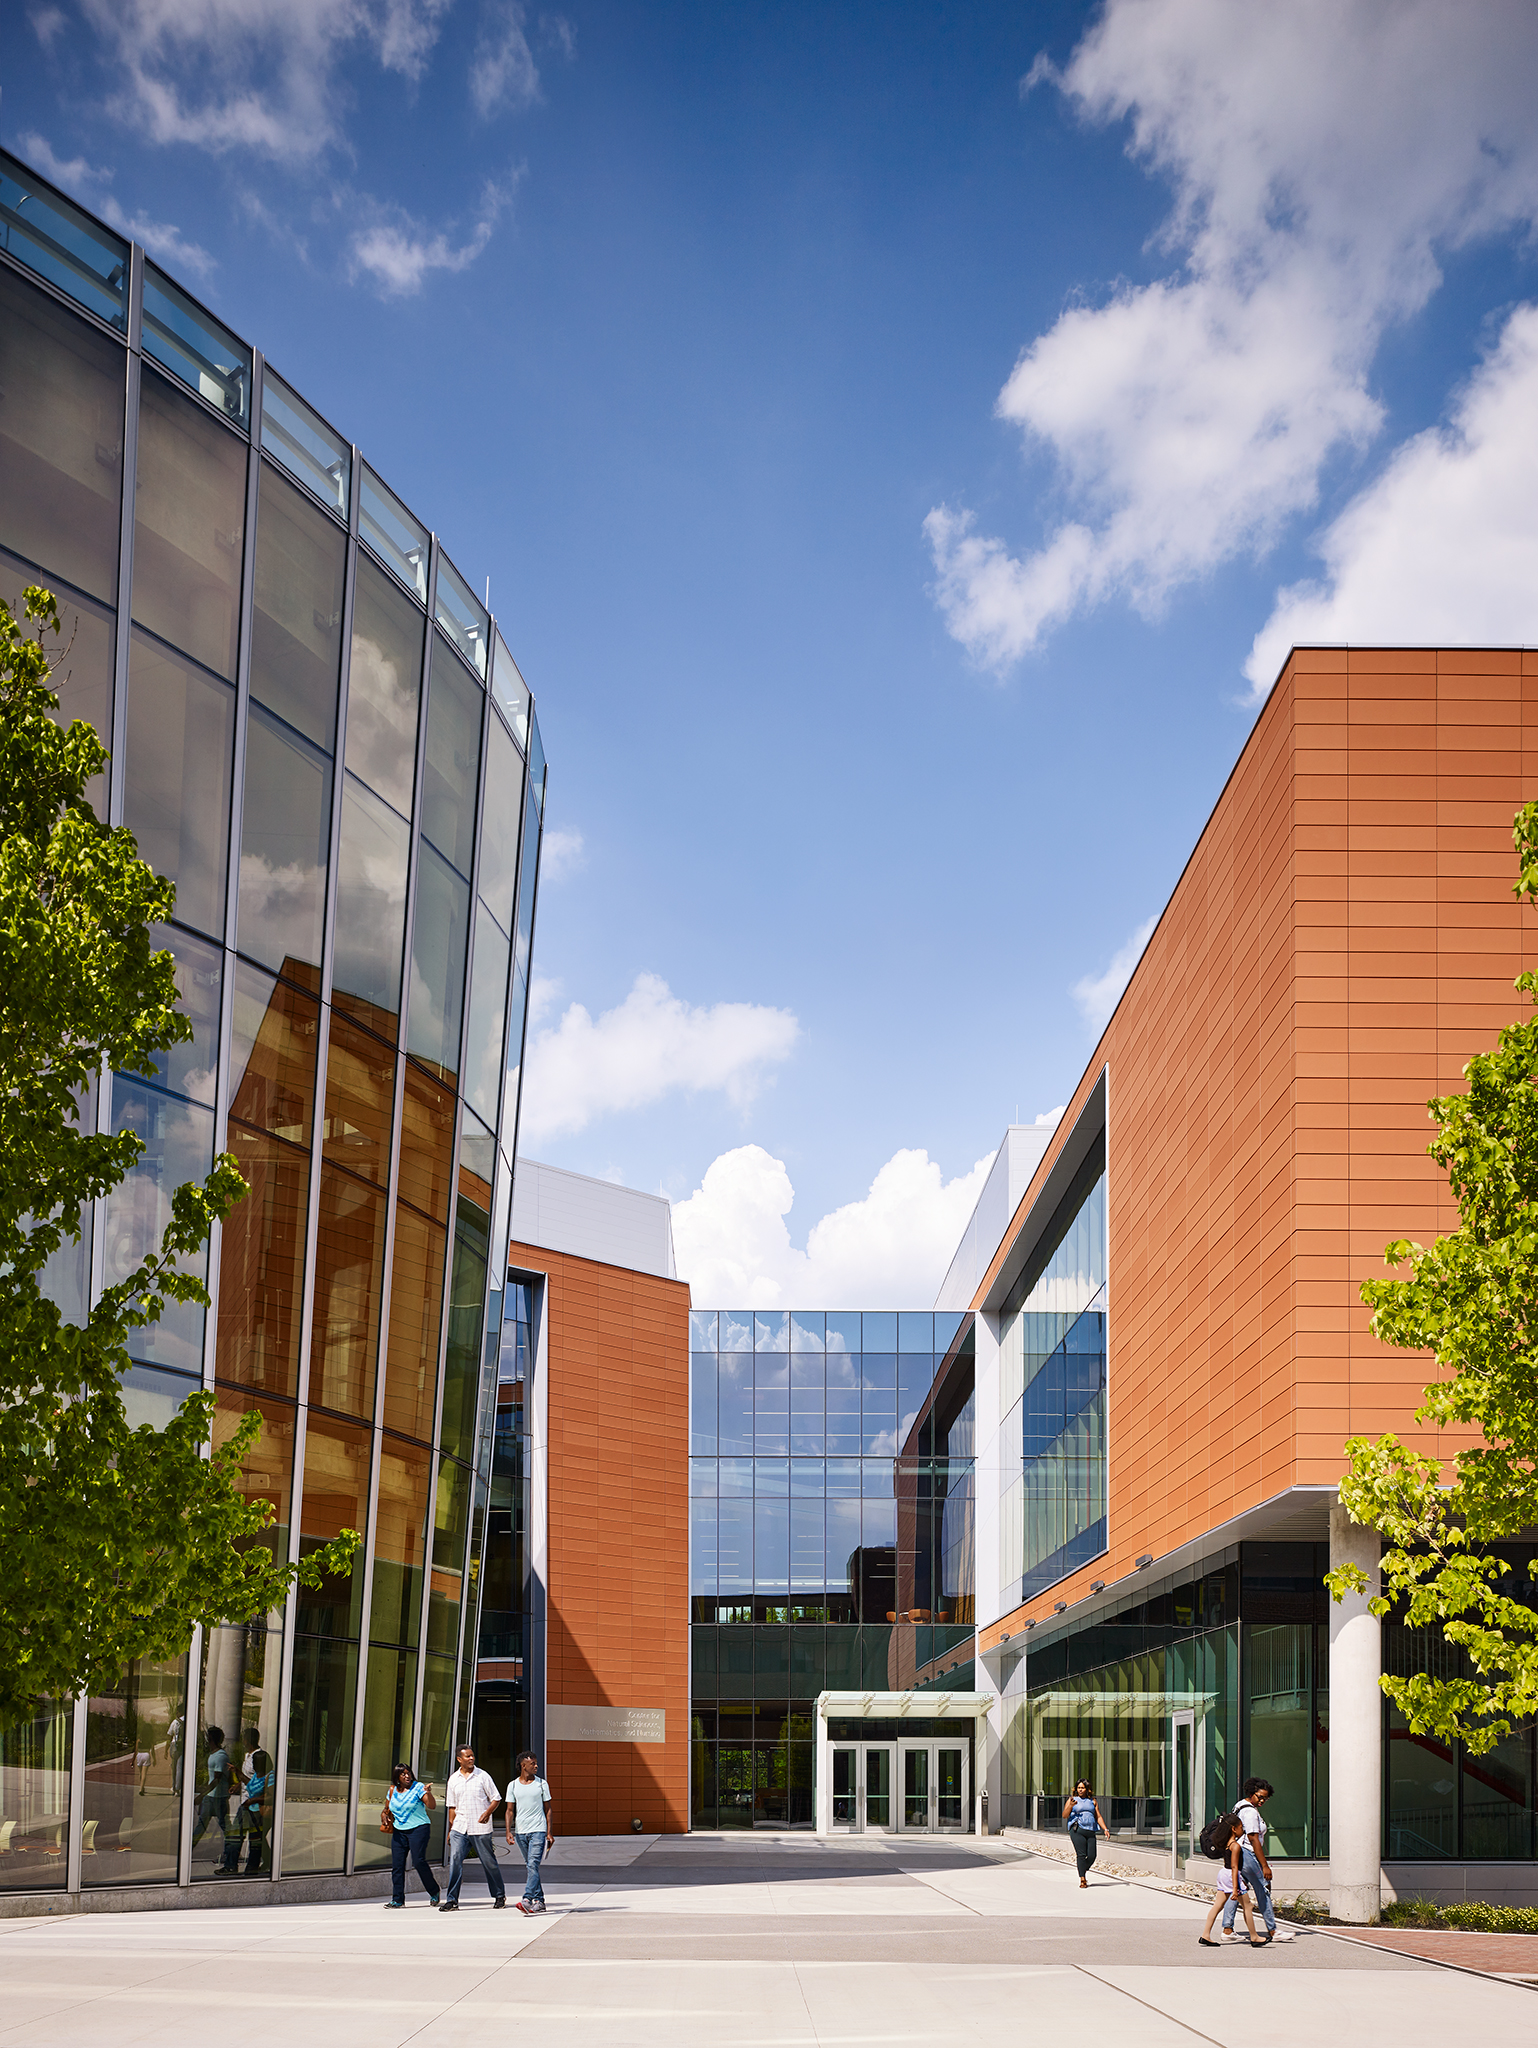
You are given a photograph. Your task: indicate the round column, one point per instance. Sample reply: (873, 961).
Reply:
(1356, 1731)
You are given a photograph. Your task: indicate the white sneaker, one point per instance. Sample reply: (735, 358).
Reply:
(1227, 1934)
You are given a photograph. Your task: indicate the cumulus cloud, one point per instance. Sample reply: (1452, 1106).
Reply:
(733, 1246)
(397, 253)
(503, 71)
(253, 74)
(1440, 547)
(1319, 156)
(1098, 994)
(561, 853)
(651, 1045)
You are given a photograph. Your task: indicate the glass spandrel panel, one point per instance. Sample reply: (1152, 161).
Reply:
(771, 1331)
(349, 1275)
(196, 347)
(189, 527)
(242, 1670)
(427, 1144)
(274, 1034)
(461, 615)
(501, 817)
(488, 1015)
(82, 654)
(384, 688)
(192, 1068)
(296, 610)
(360, 1099)
(510, 691)
(179, 756)
(452, 768)
(915, 1331)
(34, 1790)
(178, 1140)
(536, 761)
(807, 1330)
(77, 255)
(702, 1329)
(333, 1497)
(439, 942)
(400, 1542)
(61, 440)
(397, 539)
(416, 1317)
(307, 448)
(370, 908)
(322, 1703)
(131, 1816)
(261, 1265)
(285, 832)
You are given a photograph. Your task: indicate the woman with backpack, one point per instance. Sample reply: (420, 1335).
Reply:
(1225, 1838)
(1085, 1828)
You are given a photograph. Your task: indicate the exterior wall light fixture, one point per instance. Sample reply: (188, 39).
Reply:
(1061, 1607)
(1097, 1585)
(1144, 1562)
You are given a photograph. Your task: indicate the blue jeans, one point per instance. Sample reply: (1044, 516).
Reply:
(1250, 1870)
(532, 1849)
(460, 1845)
(412, 1842)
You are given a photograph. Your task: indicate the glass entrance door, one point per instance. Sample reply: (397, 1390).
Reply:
(862, 1787)
(1183, 1825)
(915, 1795)
(950, 1770)
(878, 1789)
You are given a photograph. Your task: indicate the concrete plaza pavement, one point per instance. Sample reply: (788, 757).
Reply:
(756, 1939)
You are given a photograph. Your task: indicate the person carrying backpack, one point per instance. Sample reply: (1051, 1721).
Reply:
(1253, 1859)
(1225, 1837)
(1085, 1828)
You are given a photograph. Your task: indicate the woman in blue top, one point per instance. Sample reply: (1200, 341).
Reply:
(1084, 1828)
(404, 1818)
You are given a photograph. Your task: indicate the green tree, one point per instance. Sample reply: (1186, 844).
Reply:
(1471, 1299)
(115, 1541)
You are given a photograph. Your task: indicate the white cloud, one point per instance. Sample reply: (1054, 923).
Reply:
(652, 1044)
(253, 74)
(733, 1246)
(398, 253)
(1319, 155)
(1441, 547)
(86, 180)
(47, 24)
(503, 70)
(561, 853)
(1049, 1119)
(1098, 994)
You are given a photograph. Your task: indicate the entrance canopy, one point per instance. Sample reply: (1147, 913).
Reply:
(902, 1706)
(897, 1762)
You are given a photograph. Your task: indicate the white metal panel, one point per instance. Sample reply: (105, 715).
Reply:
(592, 1219)
(1020, 1153)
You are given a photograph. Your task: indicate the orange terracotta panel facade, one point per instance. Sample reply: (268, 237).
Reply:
(1342, 940)
(617, 1589)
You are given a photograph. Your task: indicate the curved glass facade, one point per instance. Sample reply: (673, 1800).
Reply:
(318, 733)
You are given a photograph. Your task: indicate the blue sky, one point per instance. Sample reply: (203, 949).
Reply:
(883, 468)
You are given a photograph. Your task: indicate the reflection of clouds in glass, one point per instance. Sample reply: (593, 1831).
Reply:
(371, 898)
(805, 1336)
(736, 1330)
(280, 909)
(843, 1371)
(426, 1011)
(381, 721)
(883, 1444)
(178, 1147)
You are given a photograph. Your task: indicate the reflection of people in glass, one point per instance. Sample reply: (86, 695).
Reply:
(216, 1795)
(252, 1817)
(174, 1736)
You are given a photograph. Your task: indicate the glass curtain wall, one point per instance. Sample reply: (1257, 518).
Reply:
(1052, 1367)
(319, 736)
(822, 1471)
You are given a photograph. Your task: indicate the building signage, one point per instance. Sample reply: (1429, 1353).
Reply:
(606, 1724)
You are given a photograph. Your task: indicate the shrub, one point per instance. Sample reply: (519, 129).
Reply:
(1478, 1916)
(1416, 1912)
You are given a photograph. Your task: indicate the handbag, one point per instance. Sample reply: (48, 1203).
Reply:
(386, 1820)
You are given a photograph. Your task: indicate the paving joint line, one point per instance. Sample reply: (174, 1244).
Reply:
(1196, 2033)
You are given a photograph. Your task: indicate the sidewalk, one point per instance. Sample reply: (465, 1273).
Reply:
(1514, 1956)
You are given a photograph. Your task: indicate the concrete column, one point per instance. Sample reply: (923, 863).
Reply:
(1356, 1730)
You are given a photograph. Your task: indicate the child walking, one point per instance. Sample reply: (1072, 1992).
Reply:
(1231, 1884)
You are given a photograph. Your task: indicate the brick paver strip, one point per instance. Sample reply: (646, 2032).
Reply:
(1504, 1955)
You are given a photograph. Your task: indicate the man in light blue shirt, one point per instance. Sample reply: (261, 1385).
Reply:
(528, 1823)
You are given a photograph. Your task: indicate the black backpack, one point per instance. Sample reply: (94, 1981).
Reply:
(1215, 1837)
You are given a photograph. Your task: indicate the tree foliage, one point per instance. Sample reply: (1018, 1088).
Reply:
(116, 1541)
(1472, 1299)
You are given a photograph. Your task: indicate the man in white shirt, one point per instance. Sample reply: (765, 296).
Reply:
(472, 1798)
(528, 1824)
